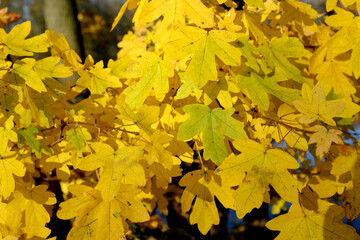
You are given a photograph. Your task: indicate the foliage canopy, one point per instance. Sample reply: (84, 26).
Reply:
(260, 99)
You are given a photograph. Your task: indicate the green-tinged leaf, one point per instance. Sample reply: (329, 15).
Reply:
(214, 124)
(203, 46)
(23, 73)
(77, 136)
(278, 52)
(153, 73)
(28, 135)
(259, 87)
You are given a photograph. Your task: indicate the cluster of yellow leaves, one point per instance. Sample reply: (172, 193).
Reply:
(253, 94)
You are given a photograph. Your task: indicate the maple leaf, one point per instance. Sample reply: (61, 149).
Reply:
(203, 46)
(252, 191)
(204, 185)
(323, 138)
(156, 149)
(300, 14)
(97, 79)
(214, 124)
(49, 68)
(27, 135)
(333, 74)
(99, 219)
(259, 87)
(174, 13)
(264, 167)
(277, 53)
(143, 118)
(6, 134)
(10, 166)
(348, 161)
(153, 72)
(294, 138)
(77, 136)
(14, 42)
(58, 162)
(120, 166)
(324, 223)
(23, 73)
(31, 201)
(60, 48)
(316, 108)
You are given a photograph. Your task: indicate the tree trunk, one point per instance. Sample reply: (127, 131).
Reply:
(61, 15)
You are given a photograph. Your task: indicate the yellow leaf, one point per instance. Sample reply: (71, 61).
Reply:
(271, 164)
(278, 52)
(14, 42)
(293, 138)
(334, 74)
(6, 134)
(9, 166)
(98, 79)
(343, 18)
(204, 185)
(31, 201)
(355, 59)
(317, 108)
(205, 214)
(60, 48)
(348, 161)
(119, 15)
(120, 166)
(323, 139)
(174, 13)
(153, 72)
(203, 46)
(143, 118)
(156, 149)
(250, 193)
(49, 68)
(324, 223)
(98, 219)
(23, 73)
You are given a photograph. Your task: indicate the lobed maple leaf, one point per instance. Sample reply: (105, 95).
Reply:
(316, 108)
(31, 201)
(175, 13)
(120, 166)
(293, 138)
(203, 46)
(214, 124)
(264, 167)
(277, 53)
(7, 134)
(324, 223)
(10, 165)
(259, 87)
(14, 42)
(323, 138)
(204, 185)
(98, 79)
(153, 73)
(100, 219)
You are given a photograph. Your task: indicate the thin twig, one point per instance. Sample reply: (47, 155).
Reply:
(101, 126)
